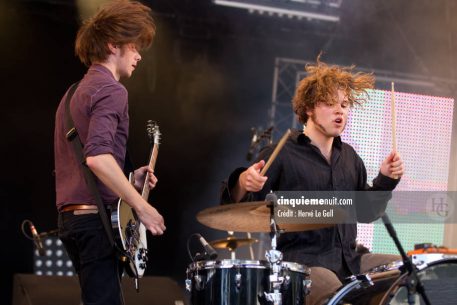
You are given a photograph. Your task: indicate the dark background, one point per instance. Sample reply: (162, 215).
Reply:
(207, 80)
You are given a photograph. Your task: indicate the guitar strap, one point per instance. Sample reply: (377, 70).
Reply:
(73, 137)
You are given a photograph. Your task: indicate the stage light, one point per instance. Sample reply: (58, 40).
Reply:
(55, 261)
(325, 10)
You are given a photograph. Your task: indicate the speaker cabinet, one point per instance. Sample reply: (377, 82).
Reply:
(30, 289)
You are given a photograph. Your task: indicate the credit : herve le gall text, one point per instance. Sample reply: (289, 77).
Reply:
(304, 214)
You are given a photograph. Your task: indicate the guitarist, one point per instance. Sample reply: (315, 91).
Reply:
(109, 44)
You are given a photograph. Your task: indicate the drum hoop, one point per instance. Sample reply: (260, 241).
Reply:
(228, 263)
(438, 260)
(252, 264)
(296, 267)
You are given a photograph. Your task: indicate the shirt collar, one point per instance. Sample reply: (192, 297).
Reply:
(300, 138)
(102, 69)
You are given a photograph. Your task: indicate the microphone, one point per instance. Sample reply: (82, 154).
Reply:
(37, 240)
(253, 144)
(209, 251)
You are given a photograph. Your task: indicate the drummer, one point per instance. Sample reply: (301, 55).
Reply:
(317, 160)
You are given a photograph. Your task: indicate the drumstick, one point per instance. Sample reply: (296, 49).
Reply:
(394, 119)
(276, 152)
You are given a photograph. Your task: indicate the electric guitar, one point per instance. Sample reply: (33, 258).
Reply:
(130, 233)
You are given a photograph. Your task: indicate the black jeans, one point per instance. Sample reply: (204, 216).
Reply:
(93, 258)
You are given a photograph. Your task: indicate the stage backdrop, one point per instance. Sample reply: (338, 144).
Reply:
(424, 127)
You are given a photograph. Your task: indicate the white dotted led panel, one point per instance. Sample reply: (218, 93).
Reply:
(55, 261)
(424, 128)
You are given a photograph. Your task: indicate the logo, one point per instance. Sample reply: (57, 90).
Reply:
(439, 207)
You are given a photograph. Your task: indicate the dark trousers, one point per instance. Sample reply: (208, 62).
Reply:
(93, 258)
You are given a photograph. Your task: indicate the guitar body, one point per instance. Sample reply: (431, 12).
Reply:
(129, 232)
(130, 235)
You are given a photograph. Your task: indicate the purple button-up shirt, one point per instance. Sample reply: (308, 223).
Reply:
(99, 108)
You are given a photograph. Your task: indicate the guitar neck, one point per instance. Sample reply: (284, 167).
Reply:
(152, 164)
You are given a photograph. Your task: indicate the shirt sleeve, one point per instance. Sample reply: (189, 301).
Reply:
(371, 201)
(107, 109)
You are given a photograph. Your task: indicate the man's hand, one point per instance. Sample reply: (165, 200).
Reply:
(151, 219)
(393, 166)
(139, 176)
(250, 180)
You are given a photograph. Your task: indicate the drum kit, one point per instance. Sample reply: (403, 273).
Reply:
(276, 282)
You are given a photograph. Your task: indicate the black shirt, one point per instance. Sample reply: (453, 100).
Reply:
(300, 166)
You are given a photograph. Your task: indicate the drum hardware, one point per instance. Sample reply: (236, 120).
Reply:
(355, 282)
(238, 279)
(413, 282)
(248, 282)
(199, 284)
(243, 282)
(188, 283)
(274, 257)
(423, 260)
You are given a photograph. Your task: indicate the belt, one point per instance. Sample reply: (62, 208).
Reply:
(79, 209)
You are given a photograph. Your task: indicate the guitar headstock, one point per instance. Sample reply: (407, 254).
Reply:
(152, 129)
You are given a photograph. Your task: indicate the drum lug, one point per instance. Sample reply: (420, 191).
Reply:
(307, 286)
(364, 281)
(188, 280)
(199, 284)
(188, 285)
(238, 280)
(286, 280)
(274, 298)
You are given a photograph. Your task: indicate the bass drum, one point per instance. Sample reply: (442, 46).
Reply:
(439, 279)
(241, 282)
(437, 273)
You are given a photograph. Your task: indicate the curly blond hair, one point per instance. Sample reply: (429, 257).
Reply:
(321, 85)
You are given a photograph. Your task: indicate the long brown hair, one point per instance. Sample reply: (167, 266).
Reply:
(119, 22)
(322, 82)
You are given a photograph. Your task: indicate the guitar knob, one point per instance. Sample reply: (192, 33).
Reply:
(142, 266)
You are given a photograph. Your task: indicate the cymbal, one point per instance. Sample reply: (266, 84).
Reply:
(231, 243)
(248, 217)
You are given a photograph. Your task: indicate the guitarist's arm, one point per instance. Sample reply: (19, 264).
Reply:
(108, 171)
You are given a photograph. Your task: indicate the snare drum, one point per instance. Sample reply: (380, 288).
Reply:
(243, 282)
(385, 285)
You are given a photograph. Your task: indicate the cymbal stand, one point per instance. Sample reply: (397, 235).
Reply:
(231, 250)
(274, 257)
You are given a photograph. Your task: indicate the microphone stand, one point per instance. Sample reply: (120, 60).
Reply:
(413, 282)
